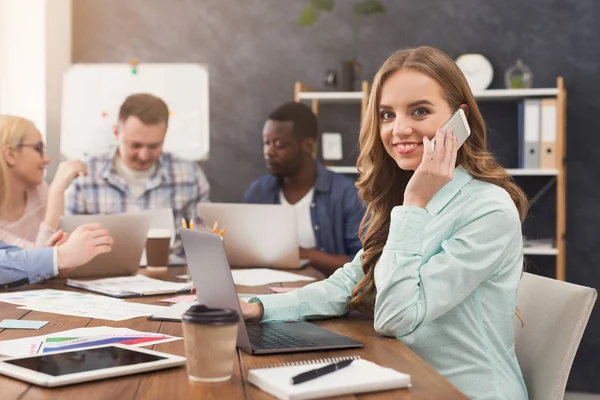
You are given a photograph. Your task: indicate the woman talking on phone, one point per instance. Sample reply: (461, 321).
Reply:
(442, 248)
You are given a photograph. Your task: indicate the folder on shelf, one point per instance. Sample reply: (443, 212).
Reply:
(531, 133)
(548, 134)
(521, 160)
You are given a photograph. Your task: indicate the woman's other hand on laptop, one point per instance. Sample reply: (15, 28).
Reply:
(85, 243)
(252, 312)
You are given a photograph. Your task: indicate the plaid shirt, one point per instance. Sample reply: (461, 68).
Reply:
(177, 184)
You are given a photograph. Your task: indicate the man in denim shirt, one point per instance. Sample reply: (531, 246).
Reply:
(329, 211)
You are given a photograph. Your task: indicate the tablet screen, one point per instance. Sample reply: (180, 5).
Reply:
(59, 364)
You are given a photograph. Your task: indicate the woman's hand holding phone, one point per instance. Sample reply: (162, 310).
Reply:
(435, 171)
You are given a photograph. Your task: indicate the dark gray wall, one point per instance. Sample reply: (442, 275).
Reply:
(255, 52)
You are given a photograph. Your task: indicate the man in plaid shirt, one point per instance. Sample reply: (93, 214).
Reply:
(136, 174)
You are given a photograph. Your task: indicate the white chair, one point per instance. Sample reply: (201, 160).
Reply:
(555, 314)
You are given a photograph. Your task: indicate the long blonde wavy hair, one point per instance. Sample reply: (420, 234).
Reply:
(381, 182)
(13, 131)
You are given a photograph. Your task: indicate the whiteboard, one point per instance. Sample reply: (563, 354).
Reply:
(93, 93)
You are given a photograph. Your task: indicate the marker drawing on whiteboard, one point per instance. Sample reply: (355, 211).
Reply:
(134, 65)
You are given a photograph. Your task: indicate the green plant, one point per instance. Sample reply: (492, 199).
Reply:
(311, 12)
(363, 8)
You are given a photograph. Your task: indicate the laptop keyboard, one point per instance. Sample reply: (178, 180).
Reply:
(269, 336)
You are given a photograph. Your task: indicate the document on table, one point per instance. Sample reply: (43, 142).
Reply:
(130, 286)
(78, 304)
(175, 312)
(49, 296)
(264, 276)
(79, 338)
(112, 311)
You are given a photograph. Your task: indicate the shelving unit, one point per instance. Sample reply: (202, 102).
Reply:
(540, 251)
(515, 94)
(306, 93)
(533, 172)
(513, 171)
(337, 97)
(344, 169)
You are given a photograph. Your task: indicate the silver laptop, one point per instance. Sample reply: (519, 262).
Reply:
(128, 231)
(207, 263)
(256, 235)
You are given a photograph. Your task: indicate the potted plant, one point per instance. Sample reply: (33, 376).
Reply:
(350, 69)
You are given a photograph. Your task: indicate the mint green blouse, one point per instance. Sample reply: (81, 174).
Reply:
(446, 284)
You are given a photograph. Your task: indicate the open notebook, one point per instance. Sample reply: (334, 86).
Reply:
(361, 376)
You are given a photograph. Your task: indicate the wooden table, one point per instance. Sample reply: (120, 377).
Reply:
(174, 384)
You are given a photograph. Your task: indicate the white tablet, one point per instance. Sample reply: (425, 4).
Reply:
(89, 364)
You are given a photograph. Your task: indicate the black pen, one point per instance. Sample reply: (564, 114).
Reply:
(315, 373)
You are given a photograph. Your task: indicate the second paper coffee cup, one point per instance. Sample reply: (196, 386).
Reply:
(210, 337)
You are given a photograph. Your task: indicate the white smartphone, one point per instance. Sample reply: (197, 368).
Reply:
(458, 123)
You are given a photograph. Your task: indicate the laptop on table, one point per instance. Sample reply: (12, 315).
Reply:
(211, 273)
(256, 235)
(128, 231)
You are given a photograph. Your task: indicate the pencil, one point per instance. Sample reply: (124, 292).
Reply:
(192, 227)
(183, 223)
(222, 231)
(215, 225)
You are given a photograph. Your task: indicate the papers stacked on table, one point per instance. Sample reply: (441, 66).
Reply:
(78, 304)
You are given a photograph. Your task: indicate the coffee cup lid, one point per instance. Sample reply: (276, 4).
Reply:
(156, 233)
(200, 314)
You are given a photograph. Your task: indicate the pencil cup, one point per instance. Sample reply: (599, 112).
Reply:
(158, 246)
(210, 337)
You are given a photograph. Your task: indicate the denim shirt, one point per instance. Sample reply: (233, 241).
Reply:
(20, 267)
(335, 210)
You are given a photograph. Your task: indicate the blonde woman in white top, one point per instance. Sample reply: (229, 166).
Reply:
(30, 210)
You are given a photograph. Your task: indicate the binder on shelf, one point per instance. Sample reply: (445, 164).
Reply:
(531, 133)
(548, 134)
(521, 160)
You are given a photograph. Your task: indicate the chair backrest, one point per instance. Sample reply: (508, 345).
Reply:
(555, 314)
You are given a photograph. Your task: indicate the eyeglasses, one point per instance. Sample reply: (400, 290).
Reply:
(39, 147)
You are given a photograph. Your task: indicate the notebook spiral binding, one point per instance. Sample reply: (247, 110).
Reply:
(308, 362)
